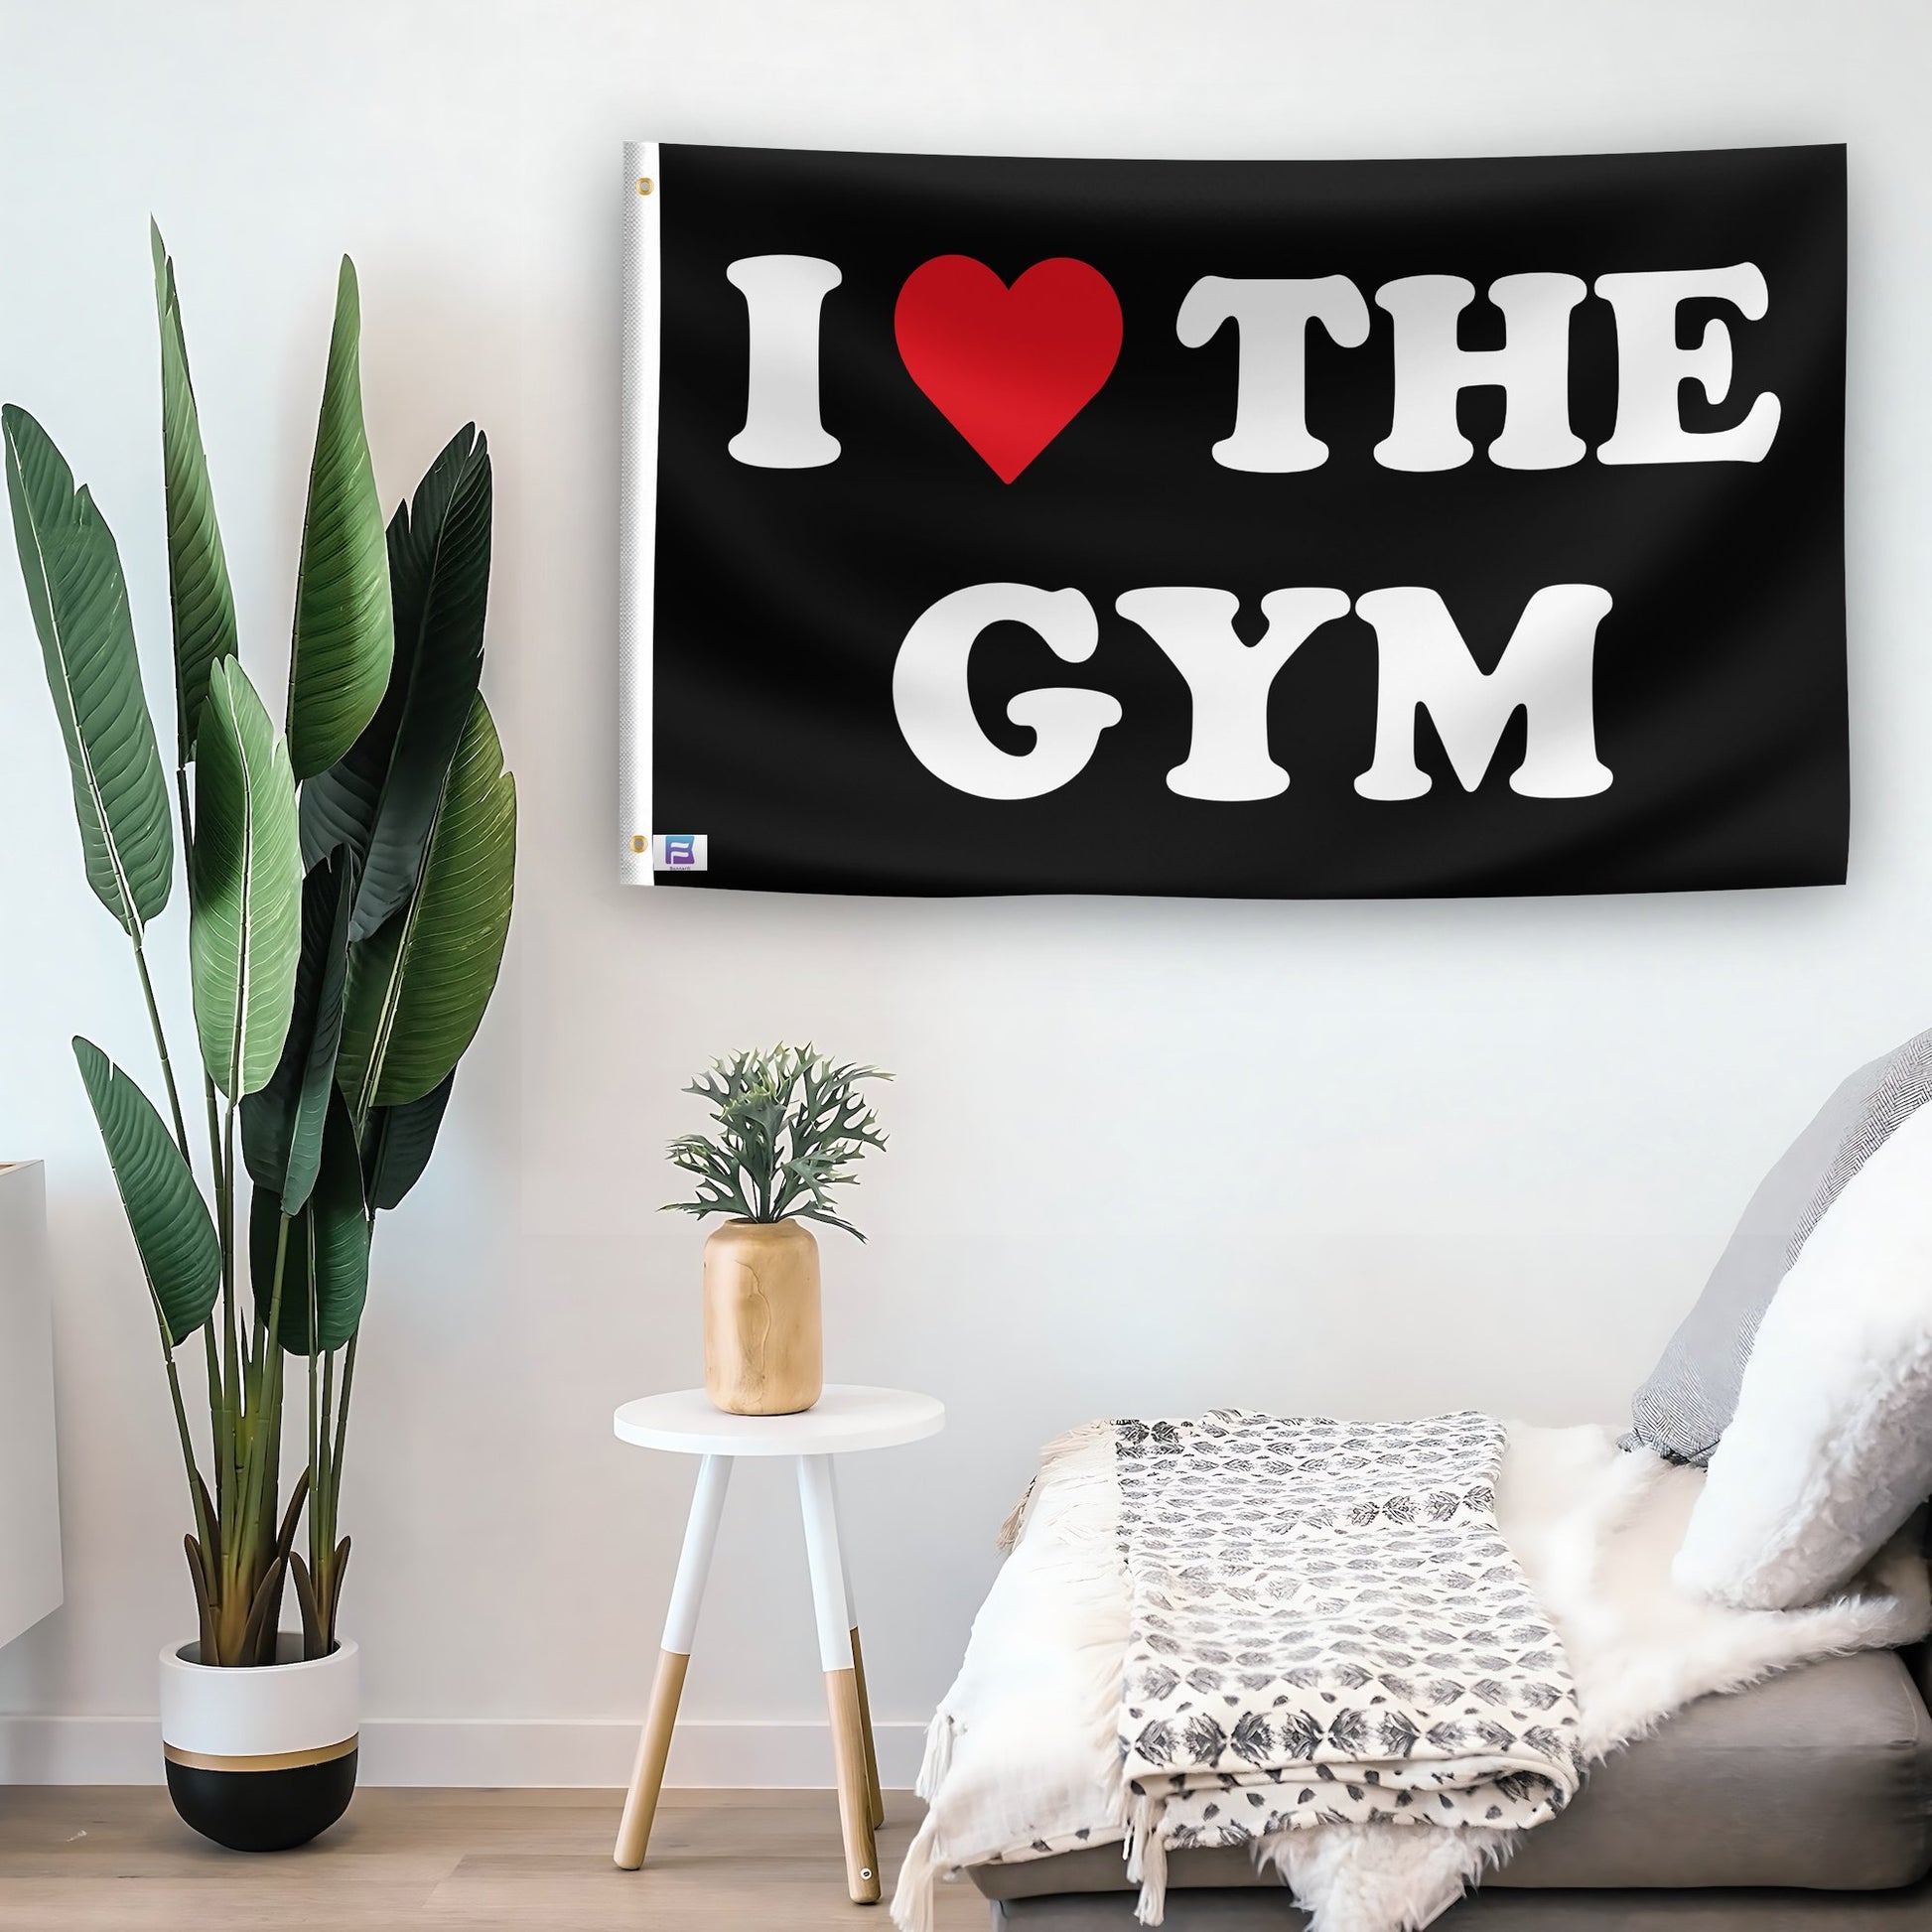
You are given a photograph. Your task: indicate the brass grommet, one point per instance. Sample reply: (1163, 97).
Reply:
(643, 183)
(640, 842)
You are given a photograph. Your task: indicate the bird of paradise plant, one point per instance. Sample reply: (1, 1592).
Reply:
(350, 882)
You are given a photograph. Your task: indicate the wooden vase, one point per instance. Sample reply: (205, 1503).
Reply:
(763, 1342)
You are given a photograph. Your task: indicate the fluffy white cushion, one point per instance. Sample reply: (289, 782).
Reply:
(1831, 1448)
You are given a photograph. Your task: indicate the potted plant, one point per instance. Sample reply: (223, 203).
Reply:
(791, 1126)
(348, 885)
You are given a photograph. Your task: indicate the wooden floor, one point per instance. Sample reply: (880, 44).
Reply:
(116, 1860)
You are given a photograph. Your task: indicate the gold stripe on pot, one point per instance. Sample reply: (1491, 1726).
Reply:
(266, 1761)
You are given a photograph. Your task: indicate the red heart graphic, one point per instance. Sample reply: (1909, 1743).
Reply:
(1008, 368)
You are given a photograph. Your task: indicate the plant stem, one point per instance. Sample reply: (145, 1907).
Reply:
(245, 1565)
(317, 1462)
(267, 1412)
(233, 1415)
(322, 1520)
(190, 1468)
(186, 1448)
(220, 1416)
(231, 1358)
(161, 1047)
(318, 1432)
(326, 1565)
(341, 1420)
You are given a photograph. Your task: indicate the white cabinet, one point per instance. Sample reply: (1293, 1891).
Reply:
(30, 1510)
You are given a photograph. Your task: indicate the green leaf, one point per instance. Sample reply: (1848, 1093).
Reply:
(197, 570)
(78, 599)
(172, 1232)
(380, 797)
(398, 1143)
(344, 632)
(326, 1265)
(244, 934)
(281, 1126)
(418, 989)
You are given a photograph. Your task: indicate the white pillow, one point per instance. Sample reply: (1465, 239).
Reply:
(1830, 1451)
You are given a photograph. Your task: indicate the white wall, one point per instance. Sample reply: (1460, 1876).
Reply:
(1371, 1159)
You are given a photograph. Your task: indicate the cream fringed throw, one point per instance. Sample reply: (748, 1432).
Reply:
(1024, 1756)
(1326, 1626)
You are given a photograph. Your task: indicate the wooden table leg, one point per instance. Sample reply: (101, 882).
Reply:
(680, 1627)
(820, 1511)
(877, 1797)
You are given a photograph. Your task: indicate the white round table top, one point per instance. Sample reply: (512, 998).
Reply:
(845, 1417)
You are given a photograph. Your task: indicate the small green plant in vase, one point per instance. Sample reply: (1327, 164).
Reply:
(789, 1126)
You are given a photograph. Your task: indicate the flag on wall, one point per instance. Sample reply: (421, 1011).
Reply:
(1245, 528)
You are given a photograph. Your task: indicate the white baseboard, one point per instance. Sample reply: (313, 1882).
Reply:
(480, 1752)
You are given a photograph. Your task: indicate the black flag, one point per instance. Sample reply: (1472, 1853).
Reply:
(1277, 528)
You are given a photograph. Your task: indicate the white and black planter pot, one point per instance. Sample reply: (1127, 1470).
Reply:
(260, 1759)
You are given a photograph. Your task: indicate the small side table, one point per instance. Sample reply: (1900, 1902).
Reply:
(845, 1419)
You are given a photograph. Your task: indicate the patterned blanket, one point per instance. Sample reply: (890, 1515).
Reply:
(1326, 1627)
